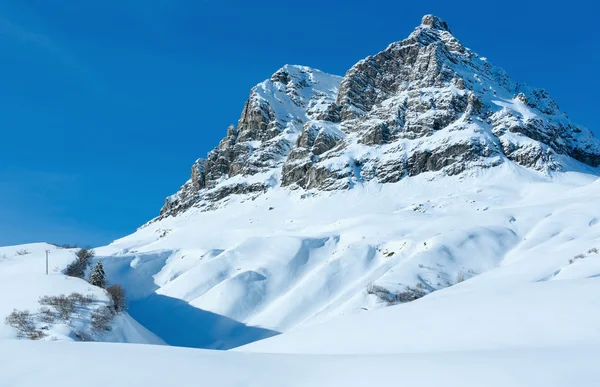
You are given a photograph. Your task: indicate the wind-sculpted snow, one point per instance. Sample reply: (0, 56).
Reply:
(288, 259)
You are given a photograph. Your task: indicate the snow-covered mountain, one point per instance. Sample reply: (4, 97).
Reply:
(423, 167)
(423, 104)
(425, 214)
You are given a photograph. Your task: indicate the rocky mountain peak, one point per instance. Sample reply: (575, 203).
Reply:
(424, 104)
(434, 22)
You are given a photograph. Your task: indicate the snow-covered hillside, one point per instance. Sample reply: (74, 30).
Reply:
(288, 259)
(23, 281)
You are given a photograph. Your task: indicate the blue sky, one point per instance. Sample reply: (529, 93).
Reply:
(104, 105)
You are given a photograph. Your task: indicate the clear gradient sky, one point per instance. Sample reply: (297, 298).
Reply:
(104, 105)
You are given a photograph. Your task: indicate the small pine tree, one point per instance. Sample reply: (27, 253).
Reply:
(97, 276)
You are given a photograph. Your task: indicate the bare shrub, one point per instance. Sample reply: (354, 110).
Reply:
(83, 336)
(117, 294)
(593, 250)
(101, 318)
(23, 322)
(22, 252)
(378, 291)
(78, 267)
(460, 277)
(64, 305)
(36, 335)
(80, 299)
(409, 294)
(47, 315)
(85, 253)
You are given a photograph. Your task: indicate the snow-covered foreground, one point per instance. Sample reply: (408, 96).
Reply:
(26, 364)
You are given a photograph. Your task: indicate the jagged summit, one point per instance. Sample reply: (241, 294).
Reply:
(434, 22)
(424, 104)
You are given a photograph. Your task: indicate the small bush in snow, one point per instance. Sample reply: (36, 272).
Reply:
(83, 336)
(23, 322)
(61, 309)
(460, 277)
(64, 305)
(22, 252)
(80, 299)
(593, 250)
(47, 315)
(409, 294)
(78, 267)
(85, 253)
(101, 318)
(20, 320)
(117, 294)
(378, 291)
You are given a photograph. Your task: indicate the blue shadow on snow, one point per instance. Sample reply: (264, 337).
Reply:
(180, 324)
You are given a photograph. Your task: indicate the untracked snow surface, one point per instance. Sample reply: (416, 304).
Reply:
(26, 364)
(286, 260)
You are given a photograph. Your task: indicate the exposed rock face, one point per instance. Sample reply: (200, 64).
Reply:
(266, 132)
(429, 104)
(186, 195)
(423, 104)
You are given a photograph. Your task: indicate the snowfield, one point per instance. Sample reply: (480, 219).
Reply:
(27, 364)
(290, 259)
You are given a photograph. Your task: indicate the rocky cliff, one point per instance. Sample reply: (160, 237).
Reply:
(424, 104)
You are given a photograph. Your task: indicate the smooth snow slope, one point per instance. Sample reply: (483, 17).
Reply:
(289, 259)
(538, 315)
(26, 364)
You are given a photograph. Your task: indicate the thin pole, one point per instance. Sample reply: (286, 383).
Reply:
(47, 251)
